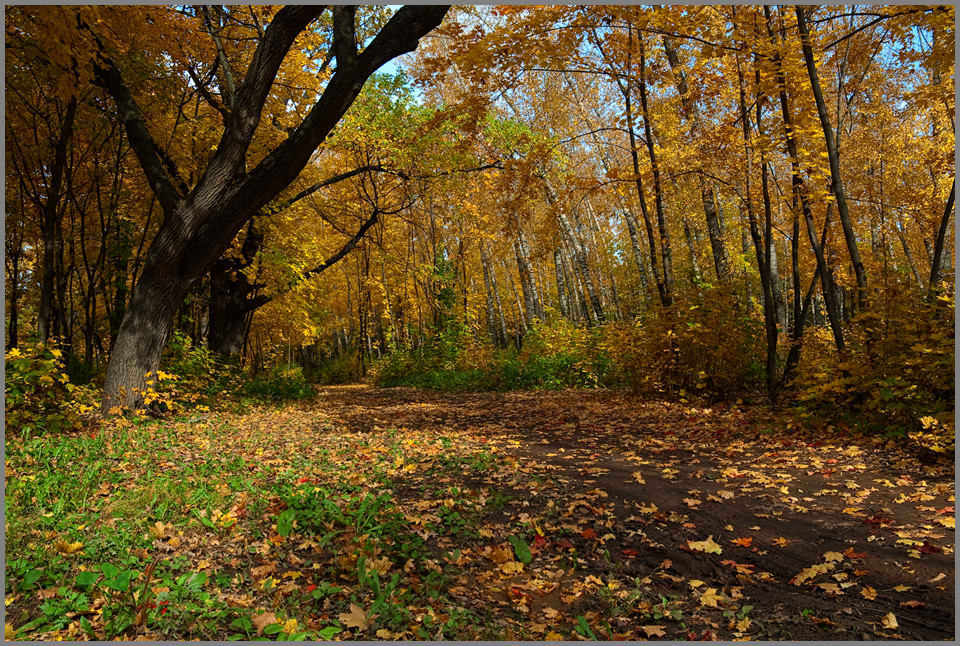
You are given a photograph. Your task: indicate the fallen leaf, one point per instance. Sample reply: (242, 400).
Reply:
(654, 631)
(708, 546)
(356, 618)
(263, 620)
(69, 548)
(890, 621)
(710, 598)
(638, 478)
(833, 556)
(263, 570)
(589, 534)
(743, 542)
(939, 577)
(868, 593)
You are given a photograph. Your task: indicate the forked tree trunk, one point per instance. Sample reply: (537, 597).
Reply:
(200, 223)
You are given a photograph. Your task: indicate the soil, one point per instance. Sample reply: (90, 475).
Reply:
(630, 483)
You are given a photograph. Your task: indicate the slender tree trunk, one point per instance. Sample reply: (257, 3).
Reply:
(664, 287)
(834, 157)
(50, 224)
(695, 276)
(665, 252)
(800, 191)
(939, 245)
(721, 262)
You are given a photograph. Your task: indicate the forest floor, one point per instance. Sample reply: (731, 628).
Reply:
(409, 514)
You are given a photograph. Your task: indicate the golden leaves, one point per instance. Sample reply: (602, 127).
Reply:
(708, 546)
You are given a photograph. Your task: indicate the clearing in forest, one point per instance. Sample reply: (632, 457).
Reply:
(402, 513)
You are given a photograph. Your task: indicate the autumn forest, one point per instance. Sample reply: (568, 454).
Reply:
(479, 322)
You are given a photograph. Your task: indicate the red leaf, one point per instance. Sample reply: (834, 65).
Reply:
(539, 541)
(310, 588)
(630, 552)
(589, 533)
(851, 554)
(927, 548)
(564, 543)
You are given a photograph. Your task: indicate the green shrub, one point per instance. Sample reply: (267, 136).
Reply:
(279, 384)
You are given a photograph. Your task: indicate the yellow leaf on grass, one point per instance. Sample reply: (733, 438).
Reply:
(69, 548)
(708, 546)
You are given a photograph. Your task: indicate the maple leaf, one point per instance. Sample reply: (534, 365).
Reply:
(263, 620)
(638, 478)
(851, 554)
(654, 631)
(868, 593)
(710, 598)
(589, 534)
(889, 621)
(833, 556)
(708, 546)
(356, 618)
(743, 542)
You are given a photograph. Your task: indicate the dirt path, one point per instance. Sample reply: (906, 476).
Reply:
(806, 540)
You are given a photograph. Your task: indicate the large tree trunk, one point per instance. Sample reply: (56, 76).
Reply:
(199, 224)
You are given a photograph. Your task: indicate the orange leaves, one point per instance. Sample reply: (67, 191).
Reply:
(743, 542)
